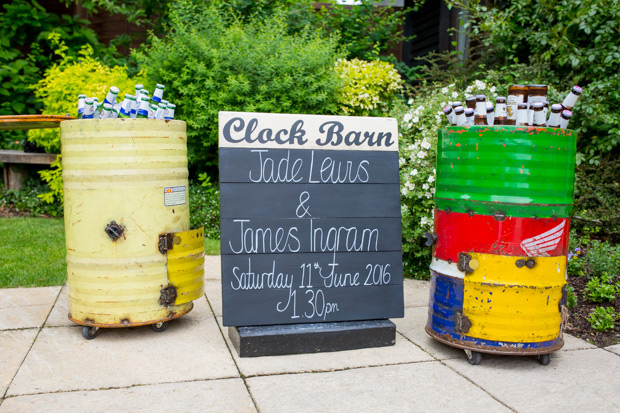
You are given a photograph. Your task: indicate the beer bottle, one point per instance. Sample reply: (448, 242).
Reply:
(107, 111)
(81, 106)
(470, 102)
(111, 96)
(521, 114)
(545, 108)
(115, 112)
(158, 94)
(564, 118)
(480, 117)
(459, 115)
(516, 94)
(169, 115)
(490, 114)
(143, 109)
(89, 109)
(97, 107)
(469, 117)
(554, 117)
(125, 110)
(138, 88)
(449, 112)
(570, 100)
(152, 110)
(538, 114)
(500, 111)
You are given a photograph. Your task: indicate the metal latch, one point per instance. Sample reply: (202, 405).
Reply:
(466, 263)
(168, 296)
(461, 323)
(499, 215)
(431, 238)
(166, 242)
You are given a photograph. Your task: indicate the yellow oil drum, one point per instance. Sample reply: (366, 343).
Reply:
(131, 257)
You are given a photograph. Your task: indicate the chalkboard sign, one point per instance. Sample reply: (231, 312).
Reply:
(310, 219)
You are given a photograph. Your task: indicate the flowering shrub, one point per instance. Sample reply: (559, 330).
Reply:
(419, 121)
(370, 87)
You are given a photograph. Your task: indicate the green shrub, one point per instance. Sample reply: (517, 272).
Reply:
(27, 200)
(369, 87)
(602, 288)
(211, 62)
(204, 208)
(597, 196)
(419, 121)
(603, 318)
(571, 297)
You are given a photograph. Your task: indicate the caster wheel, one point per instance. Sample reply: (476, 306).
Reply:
(159, 327)
(473, 357)
(544, 359)
(89, 332)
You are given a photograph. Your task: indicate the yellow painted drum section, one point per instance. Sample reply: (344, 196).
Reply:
(506, 303)
(117, 170)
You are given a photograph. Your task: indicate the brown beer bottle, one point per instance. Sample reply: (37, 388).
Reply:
(516, 94)
(480, 117)
(500, 111)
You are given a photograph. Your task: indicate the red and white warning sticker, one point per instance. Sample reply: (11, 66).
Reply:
(175, 195)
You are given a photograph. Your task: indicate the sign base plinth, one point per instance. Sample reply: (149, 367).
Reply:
(275, 340)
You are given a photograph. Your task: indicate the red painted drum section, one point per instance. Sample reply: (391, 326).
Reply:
(512, 236)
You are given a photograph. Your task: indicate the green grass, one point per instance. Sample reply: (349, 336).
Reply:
(212, 246)
(32, 252)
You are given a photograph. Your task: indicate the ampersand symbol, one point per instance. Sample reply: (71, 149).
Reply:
(302, 209)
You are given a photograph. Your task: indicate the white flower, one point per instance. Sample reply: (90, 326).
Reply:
(425, 144)
(431, 179)
(492, 89)
(455, 95)
(413, 172)
(480, 84)
(407, 117)
(444, 90)
(404, 191)
(422, 155)
(401, 161)
(416, 119)
(410, 102)
(425, 186)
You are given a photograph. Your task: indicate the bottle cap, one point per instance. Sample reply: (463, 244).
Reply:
(490, 107)
(159, 86)
(107, 106)
(556, 108)
(566, 114)
(577, 90)
(447, 110)
(114, 90)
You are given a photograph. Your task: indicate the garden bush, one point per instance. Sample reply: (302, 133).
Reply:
(211, 62)
(204, 208)
(370, 88)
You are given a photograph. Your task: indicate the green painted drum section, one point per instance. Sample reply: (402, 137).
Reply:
(522, 171)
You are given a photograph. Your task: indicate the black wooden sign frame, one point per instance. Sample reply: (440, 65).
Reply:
(310, 219)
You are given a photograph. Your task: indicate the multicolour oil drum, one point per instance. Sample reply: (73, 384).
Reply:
(503, 197)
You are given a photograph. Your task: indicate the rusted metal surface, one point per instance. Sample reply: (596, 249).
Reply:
(181, 311)
(513, 165)
(115, 175)
(22, 122)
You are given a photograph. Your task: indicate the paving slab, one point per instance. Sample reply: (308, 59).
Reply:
(14, 346)
(26, 307)
(418, 387)
(574, 381)
(402, 352)
(191, 348)
(412, 327)
(59, 316)
(213, 291)
(228, 395)
(416, 293)
(614, 349)
(213, 267)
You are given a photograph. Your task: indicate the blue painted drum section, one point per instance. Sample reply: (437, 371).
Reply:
(446, 299)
